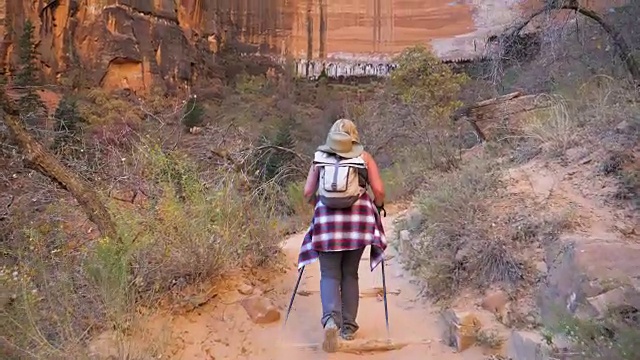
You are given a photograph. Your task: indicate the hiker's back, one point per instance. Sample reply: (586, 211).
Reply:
(341, 180)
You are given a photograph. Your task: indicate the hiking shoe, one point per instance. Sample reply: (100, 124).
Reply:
(330, 343)
(347, 335)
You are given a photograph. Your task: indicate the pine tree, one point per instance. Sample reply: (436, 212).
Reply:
(67, 117)
(27, 72)
(26, 75)
(67, 126)
(193, 113)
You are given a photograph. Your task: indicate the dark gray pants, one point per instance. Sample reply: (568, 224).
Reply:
(339, 290)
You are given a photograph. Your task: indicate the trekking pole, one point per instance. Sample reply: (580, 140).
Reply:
(384, 283)
(293, 296)
(384, 294)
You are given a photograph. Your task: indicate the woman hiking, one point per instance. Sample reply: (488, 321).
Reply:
(345, 221)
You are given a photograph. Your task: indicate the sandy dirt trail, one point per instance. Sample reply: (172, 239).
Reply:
(224, 331)
(411, 320)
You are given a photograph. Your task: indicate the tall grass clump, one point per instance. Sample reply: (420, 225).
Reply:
(454, 248)
(190, 231)
(556, 126)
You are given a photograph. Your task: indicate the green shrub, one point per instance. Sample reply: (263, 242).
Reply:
(193, 113)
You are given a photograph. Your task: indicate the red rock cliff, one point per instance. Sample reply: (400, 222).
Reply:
(142, 43)
(135, 43)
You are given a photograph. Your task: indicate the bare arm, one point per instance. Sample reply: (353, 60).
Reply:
(375, 181)
(311, 185)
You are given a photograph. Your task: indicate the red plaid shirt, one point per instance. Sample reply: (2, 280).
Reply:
(344, 229)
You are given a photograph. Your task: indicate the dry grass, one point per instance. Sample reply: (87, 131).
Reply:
(474, 235)
(194, 217)
(496, 262)
(61, 285)
(187, 232)
(601, 110)
(489, 338)
(181, 234)
(555, 127)
(615, 337)
(454, 208)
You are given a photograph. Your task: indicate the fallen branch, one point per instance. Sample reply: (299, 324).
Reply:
(36, 157)
(498, 108)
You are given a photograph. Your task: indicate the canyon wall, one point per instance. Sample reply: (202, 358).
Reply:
(138, 44)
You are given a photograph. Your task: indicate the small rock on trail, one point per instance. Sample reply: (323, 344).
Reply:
(260, 309)
(245, 289)
(459, 329)
(495, 301)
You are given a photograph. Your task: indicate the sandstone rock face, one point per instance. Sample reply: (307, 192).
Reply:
(581, 268)
(138, 44)
(134, 44)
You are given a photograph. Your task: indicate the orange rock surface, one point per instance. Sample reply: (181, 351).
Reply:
(138, 44)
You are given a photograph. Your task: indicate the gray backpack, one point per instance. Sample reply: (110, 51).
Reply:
(339, 184)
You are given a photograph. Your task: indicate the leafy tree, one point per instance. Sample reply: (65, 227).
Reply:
(424, 82)
(428, 91)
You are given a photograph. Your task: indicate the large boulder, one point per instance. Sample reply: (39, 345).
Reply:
(580, 269)
(527, 346)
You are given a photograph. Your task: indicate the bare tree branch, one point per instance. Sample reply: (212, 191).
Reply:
(624, 50)
(279, 148)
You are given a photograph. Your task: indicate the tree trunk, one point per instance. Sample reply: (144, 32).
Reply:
(44, 162)
(623, 48)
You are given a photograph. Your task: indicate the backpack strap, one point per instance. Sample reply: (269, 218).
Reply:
(323, 159)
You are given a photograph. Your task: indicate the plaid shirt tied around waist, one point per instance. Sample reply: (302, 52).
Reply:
(344, 229)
